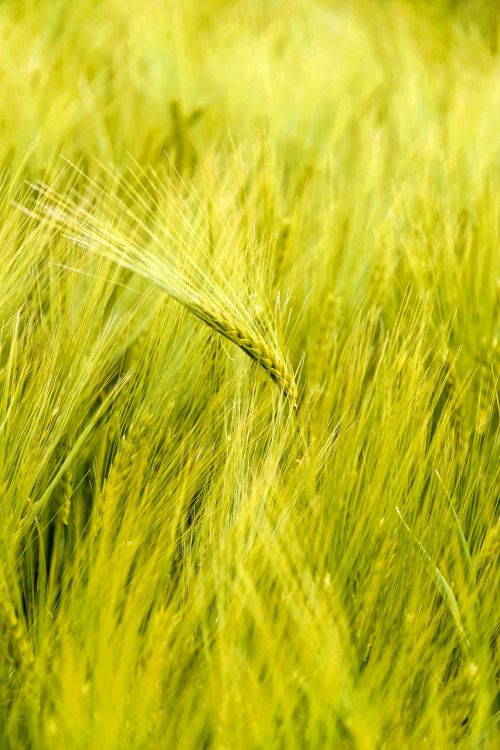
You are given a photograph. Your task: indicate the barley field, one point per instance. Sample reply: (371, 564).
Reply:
(249, 374)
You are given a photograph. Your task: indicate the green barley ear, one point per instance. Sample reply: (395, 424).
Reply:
(104, 224)
(269, 358)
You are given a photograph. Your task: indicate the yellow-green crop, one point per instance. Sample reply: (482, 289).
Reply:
(198, 198)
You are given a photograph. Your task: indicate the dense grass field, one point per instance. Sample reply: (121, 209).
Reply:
(249, 374)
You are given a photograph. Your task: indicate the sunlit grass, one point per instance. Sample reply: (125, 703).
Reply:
(188, 558)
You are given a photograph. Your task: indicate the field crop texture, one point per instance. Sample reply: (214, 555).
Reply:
(249, 374)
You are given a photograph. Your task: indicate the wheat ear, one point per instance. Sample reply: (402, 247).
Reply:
(255, 347)
(88, 229)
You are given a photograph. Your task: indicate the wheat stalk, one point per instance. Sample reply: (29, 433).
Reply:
(157, 263)
(269, 359)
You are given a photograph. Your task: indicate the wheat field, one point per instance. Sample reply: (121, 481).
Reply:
(249, 374)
